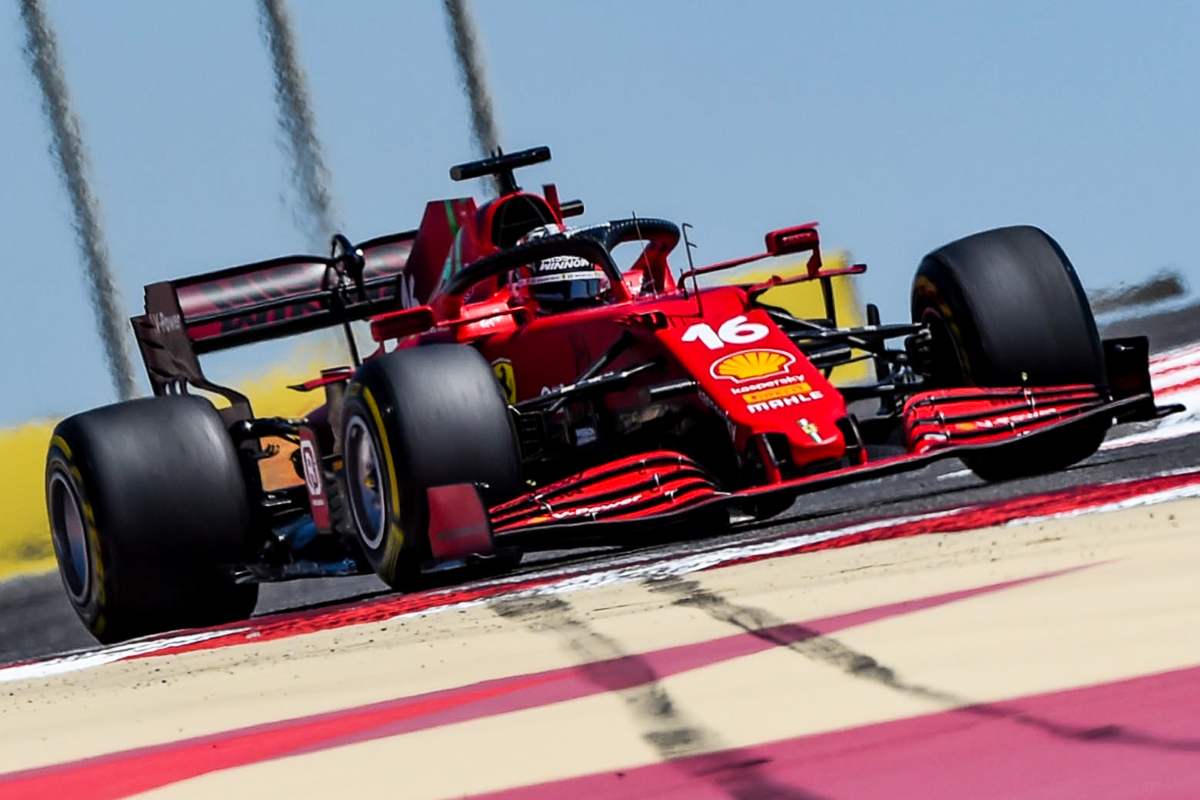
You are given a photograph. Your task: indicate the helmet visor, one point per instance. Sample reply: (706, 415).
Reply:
(565, 288)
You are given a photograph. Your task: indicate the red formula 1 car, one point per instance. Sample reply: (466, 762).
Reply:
(527, 393)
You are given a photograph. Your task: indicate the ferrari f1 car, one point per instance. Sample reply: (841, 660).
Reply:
(527, 393)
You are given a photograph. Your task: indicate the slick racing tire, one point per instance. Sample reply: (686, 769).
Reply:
(421, 417)
(147, 503)
(1005, 308)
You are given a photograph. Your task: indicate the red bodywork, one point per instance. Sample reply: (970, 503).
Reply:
(747, 371)
(773, 417)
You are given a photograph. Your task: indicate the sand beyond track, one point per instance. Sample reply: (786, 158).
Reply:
(1093, 599)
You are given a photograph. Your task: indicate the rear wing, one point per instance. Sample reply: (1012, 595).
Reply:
(188, 317)
(266, 300)
(281, 297)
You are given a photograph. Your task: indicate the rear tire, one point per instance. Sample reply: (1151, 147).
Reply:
(421, 417)
(1005, 308)
(147, 502)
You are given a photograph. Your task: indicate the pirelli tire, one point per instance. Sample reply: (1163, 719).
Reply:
(1006, 308)
(147, 505)
(426, 416)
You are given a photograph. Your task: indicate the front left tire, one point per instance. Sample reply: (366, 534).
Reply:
(421, 417)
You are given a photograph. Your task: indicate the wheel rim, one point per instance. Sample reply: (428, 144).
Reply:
(70, 534)
(948, 366)
(364, 475)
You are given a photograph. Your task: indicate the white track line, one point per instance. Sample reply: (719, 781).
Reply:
(633, 567)
(637, 570)
(1151, 499)
(1171, 427)
(87, 659)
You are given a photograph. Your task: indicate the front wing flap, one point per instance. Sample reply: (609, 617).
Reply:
(621, 501)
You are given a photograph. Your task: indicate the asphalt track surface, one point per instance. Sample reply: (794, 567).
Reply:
(1034, 638)
(1036, 647)
(36, 620)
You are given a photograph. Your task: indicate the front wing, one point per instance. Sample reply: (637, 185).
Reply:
(622, 501)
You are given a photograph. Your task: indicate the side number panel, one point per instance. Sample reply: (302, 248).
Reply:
(760, 380)
(736, 330)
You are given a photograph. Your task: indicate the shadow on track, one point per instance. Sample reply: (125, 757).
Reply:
(819, 647)
(655, 715)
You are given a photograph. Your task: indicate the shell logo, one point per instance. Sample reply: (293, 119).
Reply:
(751, 365)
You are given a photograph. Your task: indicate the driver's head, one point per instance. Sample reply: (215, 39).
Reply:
(560, 282)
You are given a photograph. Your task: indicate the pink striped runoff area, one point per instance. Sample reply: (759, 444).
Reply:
(1130, 738)
(1030, 508)
(1173, 373)
(127, 772)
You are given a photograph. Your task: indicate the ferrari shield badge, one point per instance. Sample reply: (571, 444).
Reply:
(503, 370)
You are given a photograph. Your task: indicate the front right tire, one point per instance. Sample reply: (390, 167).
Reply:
(1005, 308)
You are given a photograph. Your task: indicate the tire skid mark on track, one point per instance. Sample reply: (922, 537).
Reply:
(949, 755)
(656, 716)
(637, 566)
(141, 769)
(826, 649)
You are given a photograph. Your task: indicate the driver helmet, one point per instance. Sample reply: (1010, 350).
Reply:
(559, 282)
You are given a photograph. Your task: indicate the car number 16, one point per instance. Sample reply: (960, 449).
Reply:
(736, 330)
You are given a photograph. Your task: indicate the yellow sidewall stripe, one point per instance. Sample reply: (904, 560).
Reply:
(393, 485)
(95, 554)
(61, 444)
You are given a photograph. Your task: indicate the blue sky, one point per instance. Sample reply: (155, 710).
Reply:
(899, 126)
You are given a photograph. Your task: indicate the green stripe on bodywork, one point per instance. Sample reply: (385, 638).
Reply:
(454, 257)
(451, 219)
